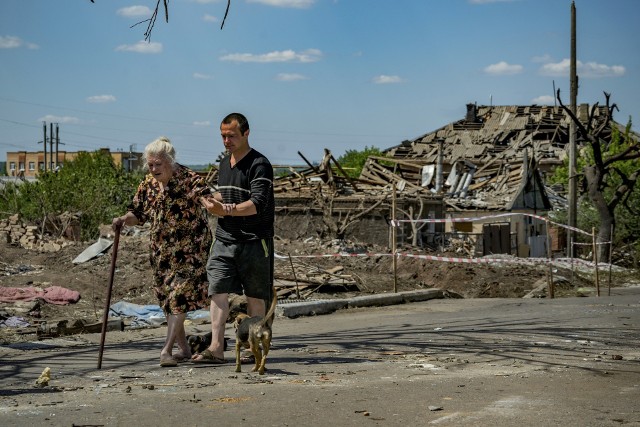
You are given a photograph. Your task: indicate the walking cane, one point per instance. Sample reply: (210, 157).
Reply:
(107, 305)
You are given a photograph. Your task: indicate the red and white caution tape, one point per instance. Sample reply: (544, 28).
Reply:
(458, 260)
(338, 255)
(397, 222)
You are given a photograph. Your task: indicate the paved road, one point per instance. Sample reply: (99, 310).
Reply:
(445, 362)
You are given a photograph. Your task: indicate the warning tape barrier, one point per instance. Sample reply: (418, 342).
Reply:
(591, 244)
(459, 260)
(397, 222)
(527, 261)
(337, 255)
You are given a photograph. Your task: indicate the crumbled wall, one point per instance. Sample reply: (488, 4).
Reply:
(15, 232)
(371, 229)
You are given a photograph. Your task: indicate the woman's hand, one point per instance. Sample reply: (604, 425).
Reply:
(117, 223)
(126, 219)
(213, 206)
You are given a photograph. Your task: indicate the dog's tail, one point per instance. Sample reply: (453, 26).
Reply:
(272, 308)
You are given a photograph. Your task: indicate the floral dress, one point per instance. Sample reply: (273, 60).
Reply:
(180, 238)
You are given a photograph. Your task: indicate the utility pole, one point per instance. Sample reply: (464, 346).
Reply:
(573, 194)
(44, 143)
(55, 166)
(439, 172)
(51, 146)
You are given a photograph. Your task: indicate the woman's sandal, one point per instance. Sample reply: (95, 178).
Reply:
(207, 357)
(247, 358)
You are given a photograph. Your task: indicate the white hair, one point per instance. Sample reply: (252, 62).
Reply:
(160, 147)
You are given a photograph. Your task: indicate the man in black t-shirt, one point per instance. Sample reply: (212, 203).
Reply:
(241, 257)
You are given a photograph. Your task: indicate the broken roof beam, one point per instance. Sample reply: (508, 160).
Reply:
(351, 181)
(369, 177)
(315, 169)
(395, 178)
(415, 164)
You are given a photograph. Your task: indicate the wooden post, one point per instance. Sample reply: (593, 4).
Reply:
(107, 304)
(572, 196)
(44, 144)
(571, 258)
(595, 259)
(549, 255)
(394, 243)
(294, 277)
(610, 259)
(51, 146)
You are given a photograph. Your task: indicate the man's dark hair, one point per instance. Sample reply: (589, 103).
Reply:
(243, 123)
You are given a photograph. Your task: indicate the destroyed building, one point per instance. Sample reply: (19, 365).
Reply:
(494, 160)
(323, 201)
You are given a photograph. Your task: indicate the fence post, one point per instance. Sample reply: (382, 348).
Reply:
(394, 242)
(610, 259)
(571, 257)
(595, 259)
(549, 255)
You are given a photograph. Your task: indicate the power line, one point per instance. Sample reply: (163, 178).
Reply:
(121, 116)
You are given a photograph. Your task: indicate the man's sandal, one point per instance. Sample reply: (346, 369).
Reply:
(168, 362)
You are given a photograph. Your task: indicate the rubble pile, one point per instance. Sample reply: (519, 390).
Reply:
(15, 232)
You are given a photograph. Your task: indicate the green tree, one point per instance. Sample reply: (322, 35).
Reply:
(352, 161)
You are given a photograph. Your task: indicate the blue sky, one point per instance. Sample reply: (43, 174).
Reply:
(309, 74)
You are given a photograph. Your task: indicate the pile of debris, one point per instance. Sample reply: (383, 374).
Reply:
(15, 232)
(12, 230)
(481, 161)
(325, 201)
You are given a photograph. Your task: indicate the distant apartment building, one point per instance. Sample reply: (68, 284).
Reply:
(29, 163)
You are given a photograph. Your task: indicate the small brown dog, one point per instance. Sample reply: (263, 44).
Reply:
(251, 332)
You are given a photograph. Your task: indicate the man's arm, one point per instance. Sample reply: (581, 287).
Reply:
(216, 207)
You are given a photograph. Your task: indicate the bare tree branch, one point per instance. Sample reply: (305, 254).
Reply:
(630, 153)
(226, 12)
(415, 228)
(578, 123)
(598, 175)
(151, 22)
(624, 190)
(348, 220)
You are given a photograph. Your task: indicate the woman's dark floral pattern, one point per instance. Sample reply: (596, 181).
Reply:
(180, 238)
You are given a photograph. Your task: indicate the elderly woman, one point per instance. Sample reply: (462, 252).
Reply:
(169, 198)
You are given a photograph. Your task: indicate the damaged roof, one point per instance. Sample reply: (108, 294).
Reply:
(495, 158)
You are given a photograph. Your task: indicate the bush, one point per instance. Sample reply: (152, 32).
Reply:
(91, 185)
(352, 161)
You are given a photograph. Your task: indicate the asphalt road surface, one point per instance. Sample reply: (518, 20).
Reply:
(444, 362)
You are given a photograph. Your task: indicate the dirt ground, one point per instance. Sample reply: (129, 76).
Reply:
(319, 273)
(476, 361)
